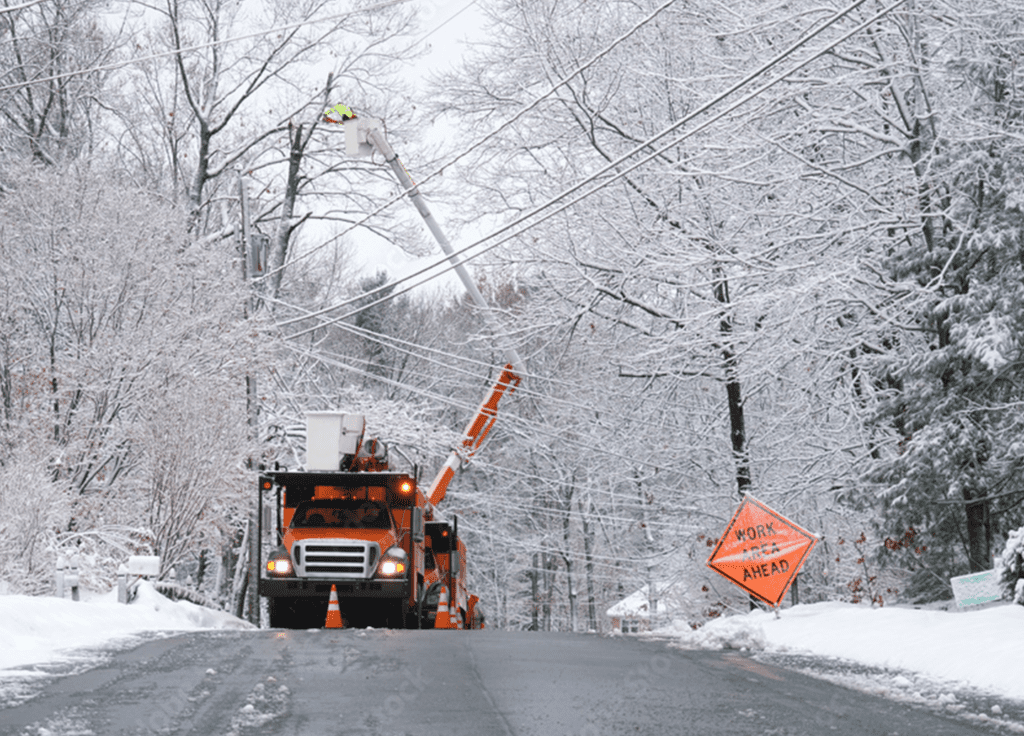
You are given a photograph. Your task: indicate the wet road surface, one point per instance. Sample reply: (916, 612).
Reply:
(450, 683)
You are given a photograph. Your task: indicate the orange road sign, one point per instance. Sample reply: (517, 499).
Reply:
(761, 551)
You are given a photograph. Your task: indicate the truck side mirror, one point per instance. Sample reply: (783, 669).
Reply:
(417, 524)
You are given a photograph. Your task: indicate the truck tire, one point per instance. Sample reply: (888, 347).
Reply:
(298, 613)
(428, 605)
(395, 615)
(281, 614)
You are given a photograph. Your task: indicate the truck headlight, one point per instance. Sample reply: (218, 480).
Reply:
(279, 564)
(393, 563)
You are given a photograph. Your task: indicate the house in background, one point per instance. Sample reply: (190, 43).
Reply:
(632, 614)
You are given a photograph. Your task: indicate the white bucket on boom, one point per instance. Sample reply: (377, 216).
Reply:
(330, 435)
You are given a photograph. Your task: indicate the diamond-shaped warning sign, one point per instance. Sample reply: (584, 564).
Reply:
(761, 551)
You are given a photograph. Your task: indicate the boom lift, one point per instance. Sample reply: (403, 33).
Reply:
(348, 524)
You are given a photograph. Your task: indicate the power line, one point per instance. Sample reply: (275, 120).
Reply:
(613, 560)
(527, 425)
(517, 505)
(407, 347)
(422, 352)
(445, 22)
(760, 71)
(437, 172)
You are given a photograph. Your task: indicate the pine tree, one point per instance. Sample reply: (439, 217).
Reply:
(952, 488)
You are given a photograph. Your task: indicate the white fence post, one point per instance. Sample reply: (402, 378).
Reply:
(61, 564)
(72, 578)
(122, 583)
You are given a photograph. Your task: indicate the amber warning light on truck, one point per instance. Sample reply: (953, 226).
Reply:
(761, 551)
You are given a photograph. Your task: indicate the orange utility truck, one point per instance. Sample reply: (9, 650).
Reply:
(350, 523)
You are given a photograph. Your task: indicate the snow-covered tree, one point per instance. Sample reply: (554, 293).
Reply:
(704, 297)
(1010, 566)
(951, 476)
(122, 345)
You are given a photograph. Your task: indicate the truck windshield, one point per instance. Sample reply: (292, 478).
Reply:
(346, 514)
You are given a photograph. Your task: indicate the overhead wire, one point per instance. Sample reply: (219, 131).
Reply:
(421, 352)
(340, 362)
(531, 427)
(417, 350)
(464, 252)
(448, 20)
(528, 545)
(468, 501)
(477, 144)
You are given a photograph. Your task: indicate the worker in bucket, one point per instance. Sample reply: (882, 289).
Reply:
(342, 113)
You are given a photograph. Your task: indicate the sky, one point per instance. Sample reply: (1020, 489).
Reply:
(448, 25)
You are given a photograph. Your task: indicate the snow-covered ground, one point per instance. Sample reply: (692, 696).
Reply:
(929, 657)
(41, 630)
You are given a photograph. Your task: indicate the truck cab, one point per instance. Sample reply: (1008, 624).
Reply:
(361, 532)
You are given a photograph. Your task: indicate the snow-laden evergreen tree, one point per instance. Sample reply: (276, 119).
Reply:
(951, 486)
(1010, 567)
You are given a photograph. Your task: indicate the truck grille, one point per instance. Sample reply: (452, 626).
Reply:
(351, 559)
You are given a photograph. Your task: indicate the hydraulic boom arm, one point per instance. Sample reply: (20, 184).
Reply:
(476, 432)
(364, 135)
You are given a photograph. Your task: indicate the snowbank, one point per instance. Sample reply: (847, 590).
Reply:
(979, 648)
(34, 630)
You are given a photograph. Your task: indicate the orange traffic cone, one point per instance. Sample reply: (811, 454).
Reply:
(441, 620)
(333, 611)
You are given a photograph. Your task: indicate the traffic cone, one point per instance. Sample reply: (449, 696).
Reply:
(333, 611)
(455, 615)
(441, 620)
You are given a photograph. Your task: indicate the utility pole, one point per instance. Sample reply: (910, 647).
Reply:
(251, 265)
(248, 553)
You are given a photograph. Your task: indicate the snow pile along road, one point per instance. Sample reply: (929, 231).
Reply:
(35, 630)
(980, 649)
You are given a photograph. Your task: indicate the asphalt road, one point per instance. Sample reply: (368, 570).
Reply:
(450, 683)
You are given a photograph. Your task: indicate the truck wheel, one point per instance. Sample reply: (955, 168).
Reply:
(281, 614)
(311, 613)
(395, 614)
(428, 607)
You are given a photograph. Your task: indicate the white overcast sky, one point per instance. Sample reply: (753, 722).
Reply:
(455, 21)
